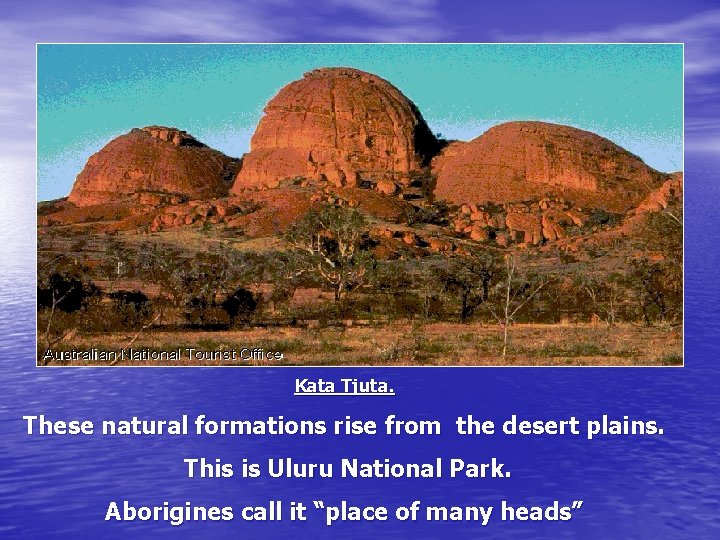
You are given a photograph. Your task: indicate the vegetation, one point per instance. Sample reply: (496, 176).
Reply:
(330, 244)
(324, 275)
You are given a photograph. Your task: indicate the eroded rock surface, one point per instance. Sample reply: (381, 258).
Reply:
(659, 199)
(529, 160)
(341, 125)
(157, 160)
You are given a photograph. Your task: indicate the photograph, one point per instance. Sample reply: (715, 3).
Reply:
(360, 205)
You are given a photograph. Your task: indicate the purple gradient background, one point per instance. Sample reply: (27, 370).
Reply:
(665, 487)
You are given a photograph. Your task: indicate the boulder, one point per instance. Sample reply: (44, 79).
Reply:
(479, 234)
(384, 232)
(460, 225)
(525, 228)
(221, 209)
(386, 187)
(440, 245)
(152, 199)
(576, 217)
(479, 217)
(497, 221)
(204, 210)
(553, 224)
(410, 238)
(502, 240)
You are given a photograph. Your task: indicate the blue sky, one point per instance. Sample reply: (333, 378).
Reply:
(697, 23)
(88, 94)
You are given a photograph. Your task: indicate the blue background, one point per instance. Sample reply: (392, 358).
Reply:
(663, 487)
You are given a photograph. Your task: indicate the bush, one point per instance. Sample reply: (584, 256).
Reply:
(202, 314)
(240, 305)
(601, 217)
(131, 308)
(69, 294)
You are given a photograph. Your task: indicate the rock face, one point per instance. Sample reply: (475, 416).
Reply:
(153, 159)
(342, 125)
(660, 198)
(530, 160)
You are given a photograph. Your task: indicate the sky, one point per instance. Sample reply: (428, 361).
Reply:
(89, 94)
(22, 24)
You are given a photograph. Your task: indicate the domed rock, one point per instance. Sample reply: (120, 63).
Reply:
(153, 159)
(528, 160)
(342, 125)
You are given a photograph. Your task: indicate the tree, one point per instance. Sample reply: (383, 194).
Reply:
(239, 305)
(516, 291)
(115, 263)
(284, 270)
(204, 282)
(604, 296)
(662, 232)
(165, 267)
(470, 278)
(659, 297)
(399, 289)
(130, 308)
(63, 287)
(242, 269)
(329, 242)
(658, 277)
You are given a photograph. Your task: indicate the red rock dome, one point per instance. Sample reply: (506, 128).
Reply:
(527, 160)
(153, 159)
(341, 124)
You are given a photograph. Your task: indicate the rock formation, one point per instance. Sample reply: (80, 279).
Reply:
(153, 159)
(338, 129)
(529, 160)
(528, 223)
(659, 199)
(342, 125)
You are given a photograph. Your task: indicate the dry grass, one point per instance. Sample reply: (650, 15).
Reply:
(404, 344)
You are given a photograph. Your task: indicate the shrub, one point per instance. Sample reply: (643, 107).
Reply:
(131, 308)
(600, 217)
(201, 313)
(69, 294)
(240, 305)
